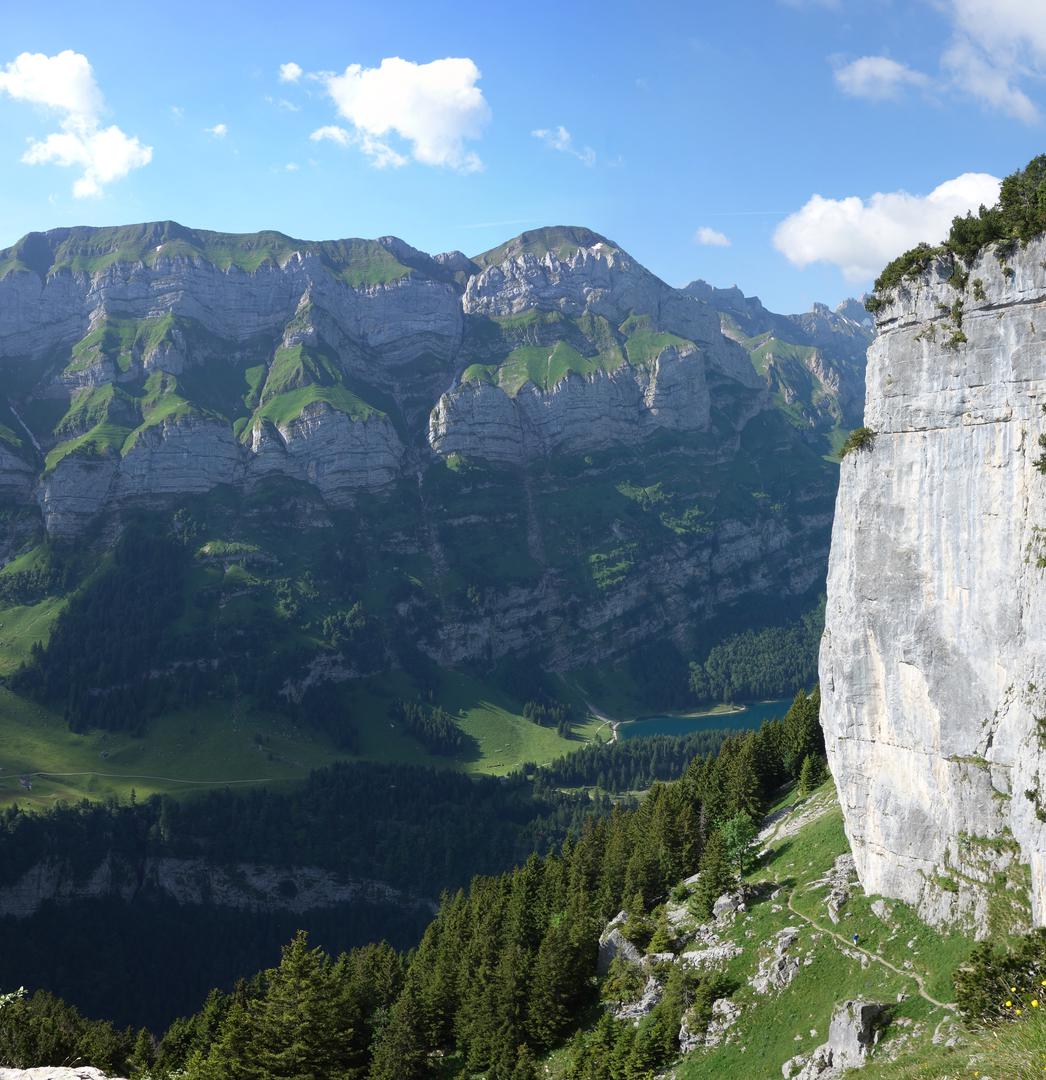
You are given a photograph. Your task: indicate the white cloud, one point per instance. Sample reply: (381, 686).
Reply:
(994, 47)
(1004, 26)
(558, 138)
(104, 154)
(861, 236)
(65, 83)
(219, 131)
(711, 237)
(282, 104)
(435, 108)
(332, 133)
(976, 74)
(878, 78)
(996, 44)
(291, 166)
(290, 72)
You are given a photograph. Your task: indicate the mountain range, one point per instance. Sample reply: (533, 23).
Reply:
(366, 460)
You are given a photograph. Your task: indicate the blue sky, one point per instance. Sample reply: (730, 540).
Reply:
(659, 120)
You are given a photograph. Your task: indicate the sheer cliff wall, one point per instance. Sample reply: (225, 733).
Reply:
(933, 662)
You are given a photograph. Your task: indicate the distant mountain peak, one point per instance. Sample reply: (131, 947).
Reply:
(564, 240)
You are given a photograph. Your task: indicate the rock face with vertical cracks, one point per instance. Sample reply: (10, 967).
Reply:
(933, 662)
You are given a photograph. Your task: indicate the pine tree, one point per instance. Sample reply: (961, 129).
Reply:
(813, 773)
(298, 1032)
(556, 988)
(401, 1052)
(141, 1059)
(715, 879)
(231, 1056)
(526, 1067)
(802, 729)
(745, 783)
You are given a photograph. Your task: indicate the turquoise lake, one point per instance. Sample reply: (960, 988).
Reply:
(752, 716)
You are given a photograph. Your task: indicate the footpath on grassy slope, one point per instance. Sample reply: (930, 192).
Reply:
(166, 779)
(848, 945)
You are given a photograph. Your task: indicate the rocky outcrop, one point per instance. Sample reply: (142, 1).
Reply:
(854, 1032)
(581, 413)
(613, 945)
(933, 662)
(240, 886)
(339, 456)
(692, 1036)
(778, 967)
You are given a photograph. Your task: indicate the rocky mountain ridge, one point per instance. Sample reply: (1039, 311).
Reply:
(813, 362)
(154, 360)
(932, 671)
(378, 460)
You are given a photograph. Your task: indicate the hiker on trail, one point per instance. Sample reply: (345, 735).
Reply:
(855, 939)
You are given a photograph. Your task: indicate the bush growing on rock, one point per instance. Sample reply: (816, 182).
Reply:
(861, 438)
(1018, 216)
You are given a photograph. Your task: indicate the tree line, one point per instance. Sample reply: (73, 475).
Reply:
(627, 764)
(507, 968)
(758, 664)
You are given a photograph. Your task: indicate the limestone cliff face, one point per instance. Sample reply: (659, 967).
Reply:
(933, 663)
(581, 413)
(620, 405)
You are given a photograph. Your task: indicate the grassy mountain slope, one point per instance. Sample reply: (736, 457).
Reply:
(898, 961)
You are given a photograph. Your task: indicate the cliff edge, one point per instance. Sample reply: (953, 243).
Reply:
(933, 662)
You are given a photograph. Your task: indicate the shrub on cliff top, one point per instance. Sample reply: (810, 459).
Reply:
(1019, 215)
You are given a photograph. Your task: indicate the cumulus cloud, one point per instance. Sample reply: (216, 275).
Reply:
(878, 78)
(433, 108)
(290, 72)
(65, 84)
(219, 131)
(558, 138)
(709, 237)
(861, 235)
